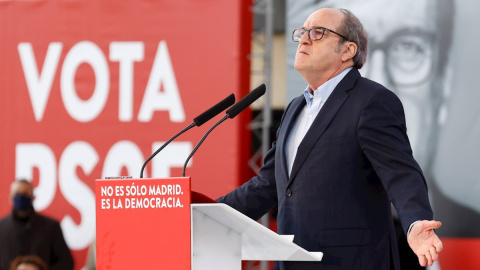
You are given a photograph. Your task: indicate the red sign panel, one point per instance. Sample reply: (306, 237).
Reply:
(143, 223)
(92, 88)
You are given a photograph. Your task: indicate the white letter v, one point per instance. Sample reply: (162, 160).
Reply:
(39, 86)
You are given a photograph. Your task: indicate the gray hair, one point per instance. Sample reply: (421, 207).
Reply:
(353, 29)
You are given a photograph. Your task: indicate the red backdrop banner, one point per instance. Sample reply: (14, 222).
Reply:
(92, 88)
(460, 253)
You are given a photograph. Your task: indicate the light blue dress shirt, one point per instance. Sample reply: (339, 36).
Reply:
(308, 114)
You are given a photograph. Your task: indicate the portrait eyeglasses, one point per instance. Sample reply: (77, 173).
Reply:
(315, 33)
(409, 57)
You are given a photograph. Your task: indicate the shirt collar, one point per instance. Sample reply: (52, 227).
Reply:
(324, 90)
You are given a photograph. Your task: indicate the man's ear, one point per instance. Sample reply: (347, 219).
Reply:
(349, 52)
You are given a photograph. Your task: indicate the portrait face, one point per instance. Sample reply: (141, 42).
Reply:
(403, 55)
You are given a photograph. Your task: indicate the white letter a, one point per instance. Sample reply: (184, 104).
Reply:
(168, 99)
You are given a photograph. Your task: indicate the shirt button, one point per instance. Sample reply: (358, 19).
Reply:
(289, 193)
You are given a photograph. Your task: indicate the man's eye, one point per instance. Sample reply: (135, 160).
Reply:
(317, 33)
(410, 59)
(408, 49)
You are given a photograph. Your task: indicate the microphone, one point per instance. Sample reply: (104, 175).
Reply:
(197, 121)
(246, 101)
(230, 113)
(213, 111)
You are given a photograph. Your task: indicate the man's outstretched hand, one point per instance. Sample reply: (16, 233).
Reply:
(424, 242)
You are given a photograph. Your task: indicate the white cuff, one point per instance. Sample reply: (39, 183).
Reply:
(411, 225)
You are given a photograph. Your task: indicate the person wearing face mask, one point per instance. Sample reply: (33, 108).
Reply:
(25, 232)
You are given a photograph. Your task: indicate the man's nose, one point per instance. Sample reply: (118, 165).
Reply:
(305, 39)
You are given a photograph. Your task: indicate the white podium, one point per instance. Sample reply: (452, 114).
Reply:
(222, 237)
(160, 228)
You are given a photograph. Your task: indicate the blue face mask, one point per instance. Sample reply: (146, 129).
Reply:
(22, 203)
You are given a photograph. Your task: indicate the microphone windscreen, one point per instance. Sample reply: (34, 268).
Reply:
(246, 101)
(213, 111)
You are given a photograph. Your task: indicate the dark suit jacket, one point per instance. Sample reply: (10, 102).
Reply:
(38, 235)
(354, 160)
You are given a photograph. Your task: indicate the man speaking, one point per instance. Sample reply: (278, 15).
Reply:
(341, 158)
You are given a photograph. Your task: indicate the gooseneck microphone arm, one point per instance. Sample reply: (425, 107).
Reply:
(197, 121)
(163, 146)
(200, 143)
(231, 113)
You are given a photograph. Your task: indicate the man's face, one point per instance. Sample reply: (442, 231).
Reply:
(21, 188)
(319, 57)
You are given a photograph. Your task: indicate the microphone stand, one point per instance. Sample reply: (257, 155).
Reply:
(201, 141)
(164, 145)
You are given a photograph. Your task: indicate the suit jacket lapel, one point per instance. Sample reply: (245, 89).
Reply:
(323, 119)
(290, 118)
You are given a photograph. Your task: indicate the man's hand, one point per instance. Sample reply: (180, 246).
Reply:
(424, 242)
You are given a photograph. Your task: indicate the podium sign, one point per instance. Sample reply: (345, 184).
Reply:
(143, 223)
